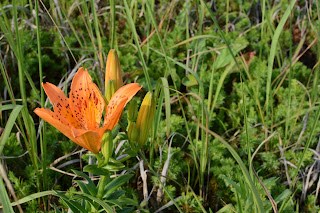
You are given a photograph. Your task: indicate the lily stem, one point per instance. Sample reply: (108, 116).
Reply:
(98, 158)
(102, 182)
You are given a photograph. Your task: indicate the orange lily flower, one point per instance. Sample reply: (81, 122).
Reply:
(78, 117)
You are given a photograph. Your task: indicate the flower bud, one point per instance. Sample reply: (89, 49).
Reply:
(110, 90)
(145, 118)
(132, 133)
(113, 70)
(132, 111)
(107, 145)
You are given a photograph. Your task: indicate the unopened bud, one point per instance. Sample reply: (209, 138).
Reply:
(113, 70)
(107, 145)
(132, 110)
(145, 118)
(132, 133)
(110, 90)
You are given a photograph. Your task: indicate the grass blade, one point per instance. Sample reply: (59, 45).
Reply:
(12, 119)
(167, 104)
(136, 40)
(4, 198)
(243, 168)
(113, 42)
(43, 143)
(273, 49)
(59, 194)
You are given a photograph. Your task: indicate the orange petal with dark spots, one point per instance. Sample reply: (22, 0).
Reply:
(60, 103)
(86, 101)
(56, 120)
(114, 111)
(127, 92)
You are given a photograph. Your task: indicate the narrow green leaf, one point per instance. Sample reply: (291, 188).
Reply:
(193, 38)
(83, 186)
(12, 119)
(116, 195)
(233, 184)
(34, 196)
(113, 165)
(7, 107)
(283, 195)
(113, 24)
(273, 48)
(56, 210)
(243, 168)
(136, 40)
(225, 58)
(4, 198)
(90, 186)
(116, 183)
(115, 203)
(167, 104)
(127, 201)
(95, 170)
(219, 86)
(74, 206)
(103, 204)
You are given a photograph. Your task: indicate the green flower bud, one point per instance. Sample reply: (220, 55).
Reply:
(132, 133)
(110, 90)
(113, 70)
(132, 111)
(145, 118)
(107, 145)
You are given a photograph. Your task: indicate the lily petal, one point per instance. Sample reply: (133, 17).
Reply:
(55, 120)
(113, 114)
(86, 101)
(127, 91)
(60, 103)
(91, 140)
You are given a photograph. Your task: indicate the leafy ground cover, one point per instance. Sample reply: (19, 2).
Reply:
(236, 87)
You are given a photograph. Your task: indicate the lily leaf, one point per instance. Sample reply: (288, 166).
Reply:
(94, 169)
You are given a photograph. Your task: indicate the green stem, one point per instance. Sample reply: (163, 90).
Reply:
(102, 183)
(98, 158)
(103, 180)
